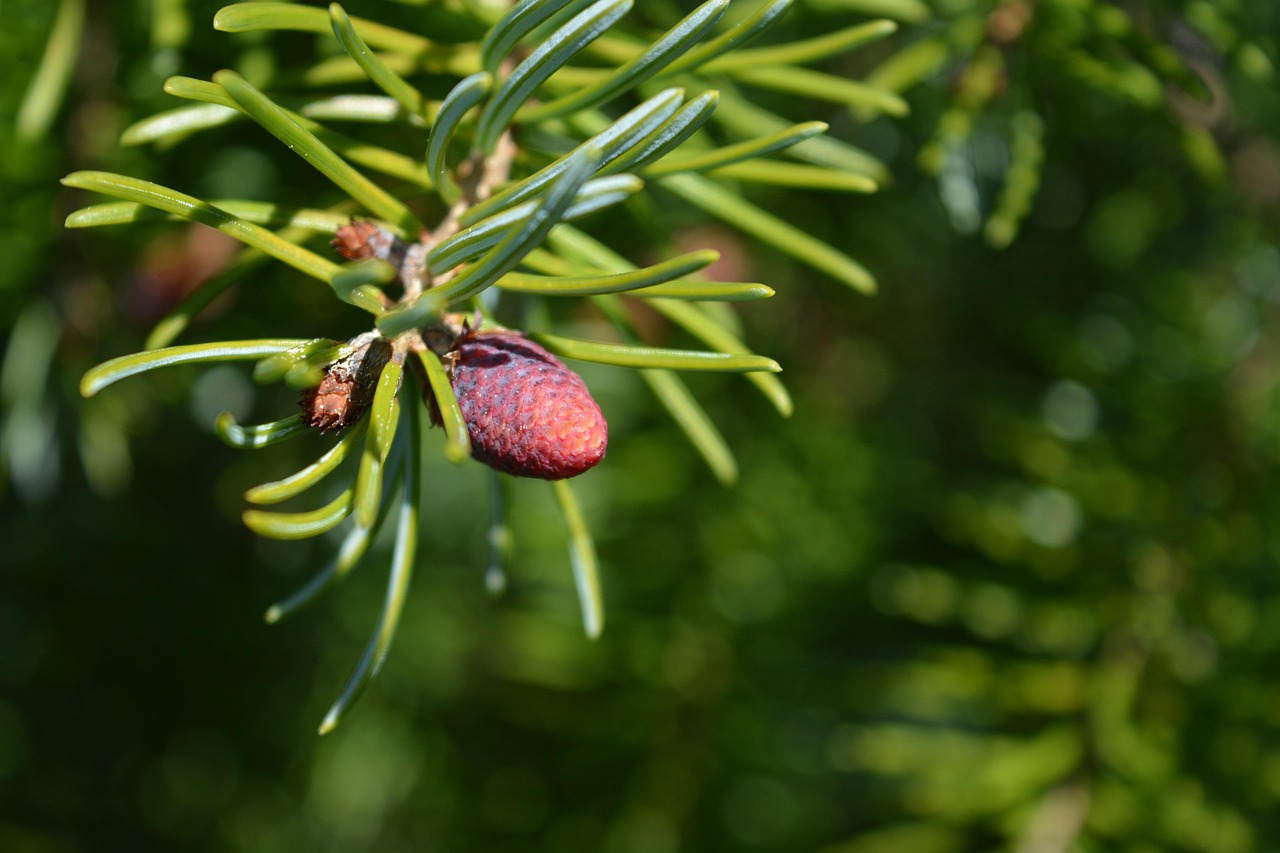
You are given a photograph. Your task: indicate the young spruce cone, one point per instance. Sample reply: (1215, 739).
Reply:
(526, 413)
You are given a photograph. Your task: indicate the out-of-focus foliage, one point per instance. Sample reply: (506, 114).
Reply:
(1072, 589)
(1005, 581)
(1014, 66)
(68, 96)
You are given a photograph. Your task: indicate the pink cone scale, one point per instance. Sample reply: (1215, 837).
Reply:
(526, 413)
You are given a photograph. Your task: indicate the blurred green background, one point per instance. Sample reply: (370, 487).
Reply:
(1007, 579)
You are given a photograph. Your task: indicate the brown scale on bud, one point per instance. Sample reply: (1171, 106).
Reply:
(362, 240)
(346, 391)
(357, 241)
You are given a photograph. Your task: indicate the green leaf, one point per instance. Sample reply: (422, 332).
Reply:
(671, 391)
(382, 76)
(541, 64)
(457, 443)
(309, 372)
(588, 250)
(707, 330)
(281, 125)
(188, 207)
(342, 70)
(782, 173)
(402, 560)
(113, 213)
(672, 133)
(576, 243)
(739, 35)
(382, 411)
(373, 157)
(550, 210)
(474, 241)
(178, 122)
(48, 85)
(384, 414)
(300, 481)
(627, 355)
(582, 555)
(357, 284)
(826, 87)
(557, 20)
(173, 125)
(912, 64)
(770, 229)
(469, 92)
(1021, 179)
(248, 17)
(739, 115)
(364, 109)
(908, 11)
(671, 45)
(614, 141)
(200, 90)
(617, 283)
(746, 150)
(543, 261)
(658, 280)
(274, 367)
(299, 525)
(518, 22)
(259, 435)
(353, 548)
(257, 212)
(505, 256)
(113, 371)
(692, 419)
(804, 50)
(378, 159)
(695, 290)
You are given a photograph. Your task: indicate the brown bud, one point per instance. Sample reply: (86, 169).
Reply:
(347, 389)
(358, 241)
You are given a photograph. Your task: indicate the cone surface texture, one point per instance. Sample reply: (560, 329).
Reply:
(526, 413)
